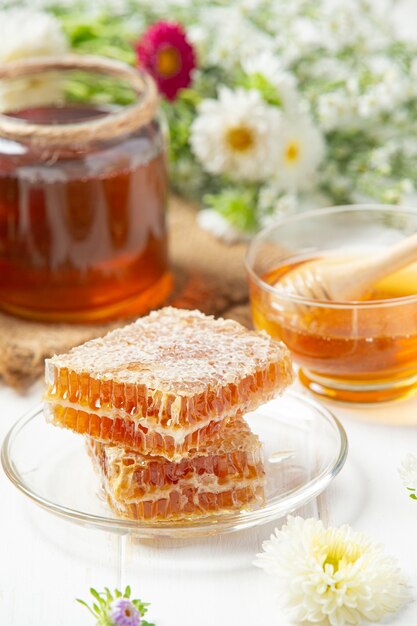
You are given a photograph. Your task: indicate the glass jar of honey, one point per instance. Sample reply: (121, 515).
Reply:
(83, 190)
(361, 351)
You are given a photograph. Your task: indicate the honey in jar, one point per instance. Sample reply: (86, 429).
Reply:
(364, 351)
(83, 190)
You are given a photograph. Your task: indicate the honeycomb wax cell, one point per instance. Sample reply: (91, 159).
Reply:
(222, 476)
(166, 383)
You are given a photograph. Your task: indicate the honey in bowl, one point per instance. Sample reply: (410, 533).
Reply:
(363, 351)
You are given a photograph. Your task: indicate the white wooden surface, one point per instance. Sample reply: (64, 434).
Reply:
(46, 562)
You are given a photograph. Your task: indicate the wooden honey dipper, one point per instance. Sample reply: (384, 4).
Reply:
(326, 280)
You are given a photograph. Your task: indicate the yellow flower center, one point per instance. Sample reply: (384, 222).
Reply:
(240, 138)
(168, 62)
(292, 152)
(338, 551)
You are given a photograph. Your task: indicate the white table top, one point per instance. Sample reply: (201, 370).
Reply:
(46, 562)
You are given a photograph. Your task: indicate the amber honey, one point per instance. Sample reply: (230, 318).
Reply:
(148, 421)
(364, 352)
(222, 476)
(188, 503)
(82, 230)
(166, 383)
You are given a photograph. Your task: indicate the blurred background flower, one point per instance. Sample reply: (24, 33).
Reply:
(237, 134)
(25, 34)
(272, 106)
(164, 51)
(408, 474)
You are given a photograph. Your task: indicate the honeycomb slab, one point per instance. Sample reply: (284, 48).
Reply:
(166, 385)
(219, 478)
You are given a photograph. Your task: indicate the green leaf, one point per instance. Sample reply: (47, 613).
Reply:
(97, 596)
(109, 595)
(97, 609)
(86, 606)
(190, 96)
(413, 496)
(237, 205)
(141, 606)
(105, 598)
(80, 33)
(258, 82)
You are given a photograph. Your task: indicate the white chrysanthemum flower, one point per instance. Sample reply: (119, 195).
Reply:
(294, 35)
(348, 24)
(408, 193)
(380, 87)
(274, 204)
(270, 67)
(413, 70)
(225, 37)
(380, 160)
(330, 69)
(332, 25)
(390, 87)
(299, 152)
(187, 176)
(25, 34)
(219, 227)
(408, 472)
(338, 109)
(333, 576)
(237, 134)
(307, 32)
(313, 199)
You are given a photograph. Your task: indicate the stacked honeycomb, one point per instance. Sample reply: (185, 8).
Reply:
(161, 403)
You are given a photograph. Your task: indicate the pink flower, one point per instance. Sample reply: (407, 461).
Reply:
(164, 51)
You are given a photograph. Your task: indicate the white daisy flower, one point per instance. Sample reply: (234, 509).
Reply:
(408, 472)
(273, 203)
(270, 67)
(299, 152)
(24, 34)
(338, 109)
(389, 88)
(332, 25)
(355, 106)
(408, 193)
(237, 134)
(330, 69)
(307, 31)
(344, 24)
(313, 199)
(413, 70)
(332, 576)
(219, 227)
(225, 37)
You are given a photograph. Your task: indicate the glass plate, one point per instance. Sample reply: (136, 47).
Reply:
(305, 447)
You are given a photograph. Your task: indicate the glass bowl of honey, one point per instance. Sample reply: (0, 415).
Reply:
(362, 351)
(83, 190)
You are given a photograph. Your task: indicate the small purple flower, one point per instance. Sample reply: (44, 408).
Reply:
(123, 613)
